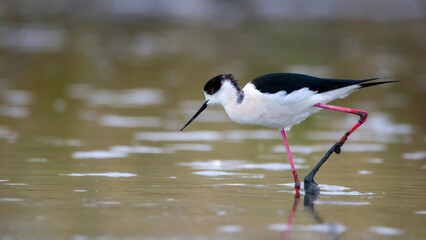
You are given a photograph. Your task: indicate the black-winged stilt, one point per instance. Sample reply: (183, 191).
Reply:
(281, 100)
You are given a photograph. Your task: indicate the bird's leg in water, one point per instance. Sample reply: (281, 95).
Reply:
(310, 184)
(290, 159)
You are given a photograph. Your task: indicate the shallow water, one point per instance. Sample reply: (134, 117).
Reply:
(90, 147)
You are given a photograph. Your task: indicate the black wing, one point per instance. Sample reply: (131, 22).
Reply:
(289, 82)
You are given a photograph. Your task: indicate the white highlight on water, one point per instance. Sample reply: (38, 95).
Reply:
(342, 203)
(381, 230)
(14, 111)
(119, 152)
(423, 212)
(348, 147)
(17, 97)
(8, 135)
(98, 154)
(326, 227)
(128, 121)
(331, 190)
(109, 174)
(11, 199)
(415, 155)
(230, 229)
(375, 160)
(191, 147)
(237, 165)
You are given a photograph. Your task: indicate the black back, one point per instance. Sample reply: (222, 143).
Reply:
(289, 82)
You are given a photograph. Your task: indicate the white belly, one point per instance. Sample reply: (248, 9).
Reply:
(280, 110)
(281, 116)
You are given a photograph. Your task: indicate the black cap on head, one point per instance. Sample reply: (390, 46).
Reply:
(214, 84)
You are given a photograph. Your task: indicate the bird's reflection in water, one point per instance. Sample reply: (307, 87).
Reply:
(334, 230)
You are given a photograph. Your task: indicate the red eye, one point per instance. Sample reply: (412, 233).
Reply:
(210, 91)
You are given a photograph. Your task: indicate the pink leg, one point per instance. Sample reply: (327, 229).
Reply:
(290, 159)
(362, 114)
(310, 185)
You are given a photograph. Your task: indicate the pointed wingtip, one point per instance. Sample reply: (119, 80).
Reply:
(363, 85)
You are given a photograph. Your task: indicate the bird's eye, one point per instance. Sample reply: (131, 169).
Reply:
(210, 91)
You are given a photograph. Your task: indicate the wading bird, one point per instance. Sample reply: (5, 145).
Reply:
(281, 100)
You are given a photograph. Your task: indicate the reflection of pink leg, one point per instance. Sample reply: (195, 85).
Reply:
(362, 114)
(310, 185)
(290, 159)
(286, 233)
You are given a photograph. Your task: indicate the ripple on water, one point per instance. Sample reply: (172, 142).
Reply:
(230, 229)
(381, 230)
(348, 147)
(128, 121)
(109, 174)
(15, 184)
(215, 168)
(60, 142)
(223, 173)
(11, 199)
(191, 147)
(237, 165)
(14, 111)
(119, 152)
(17, 97)
(32, 38)
(415, 155)
(423, 212)
(179, 136)
(327, 227)
(36, 160)
(331, 190)
(98, 154)
(376, 123)
(8, 135)
(232, 135)
(139, 149)
(375, 160)
(342, 203)
(127, 98)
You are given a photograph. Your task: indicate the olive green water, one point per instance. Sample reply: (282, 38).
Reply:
(90, 148)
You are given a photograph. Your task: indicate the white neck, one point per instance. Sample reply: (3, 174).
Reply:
(230, 98)
(227, 95)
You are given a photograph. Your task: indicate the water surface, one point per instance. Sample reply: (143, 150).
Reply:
(90, 147)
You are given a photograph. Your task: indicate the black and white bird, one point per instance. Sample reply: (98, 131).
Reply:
(281, 100)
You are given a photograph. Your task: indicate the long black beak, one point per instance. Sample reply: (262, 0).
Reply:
(204, 106)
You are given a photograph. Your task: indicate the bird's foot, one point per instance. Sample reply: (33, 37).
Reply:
(311, 186)
(297, 185)
(297, 188)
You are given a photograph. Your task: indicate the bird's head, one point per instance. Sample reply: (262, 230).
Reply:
(213, 91)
